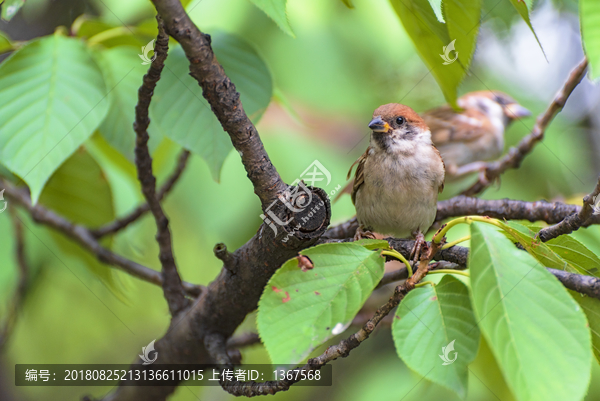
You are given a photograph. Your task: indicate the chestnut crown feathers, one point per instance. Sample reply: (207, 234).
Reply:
(392, 111)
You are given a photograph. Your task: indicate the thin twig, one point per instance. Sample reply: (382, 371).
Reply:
(402, 272)
(172, 287)
(515, 156)
(573, 222)
(587, 285)
(19, 295)
(117, 225)
(83, 237)
(229, 259)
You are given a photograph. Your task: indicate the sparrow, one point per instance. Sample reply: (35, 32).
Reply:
(398, 178)
(468, 138)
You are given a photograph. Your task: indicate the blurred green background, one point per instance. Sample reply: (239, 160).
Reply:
(342, 64)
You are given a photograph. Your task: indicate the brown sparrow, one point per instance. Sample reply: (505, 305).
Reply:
(469, 138)
(399, 176)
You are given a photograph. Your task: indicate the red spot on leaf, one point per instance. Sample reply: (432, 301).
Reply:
(276, 289)
(287, 297)
(317, 292)
(434, 298)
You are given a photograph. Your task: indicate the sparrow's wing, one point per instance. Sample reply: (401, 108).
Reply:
(447, 126)
(346, 190)
(359, 178)
(437, 152)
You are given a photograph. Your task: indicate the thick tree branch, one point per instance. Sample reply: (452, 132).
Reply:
(224, 304)
(171, 283)
(224, 100)
(83, 237)
(19, 295)
(572, 222)
(119, 224)
(516, 155)
(549, 212)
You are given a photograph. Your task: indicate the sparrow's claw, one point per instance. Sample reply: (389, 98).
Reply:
(362, 233)
(415, 254)
(483, 177)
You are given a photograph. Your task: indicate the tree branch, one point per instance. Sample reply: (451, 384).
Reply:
(587, 285)
(171, 283)
(19, 295)
(341, 350)
(402, 272)
(549, 212)
(83, 237)
(119, 224)
(224, 100)
(574, 221)
(516, 155)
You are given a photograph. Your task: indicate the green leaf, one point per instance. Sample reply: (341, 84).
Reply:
(10, 8)
(536, 331)
(299, 310)
(564, 252)
(430, 37)
(348, 3)
(430, 319)
(275, 9)
(436, 5)
(96, 31)
(463, 20)
(591, 308)
(79, 191)
(589, 13)
(523, 11)
(5, 44)
(373, 244)
(86, 26)
(51, 100)
(123, 73)
(183, 115)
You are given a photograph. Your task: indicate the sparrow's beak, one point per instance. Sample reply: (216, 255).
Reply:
(514, 111)
(378, 125)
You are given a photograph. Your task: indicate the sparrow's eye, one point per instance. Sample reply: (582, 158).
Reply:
(400, 120)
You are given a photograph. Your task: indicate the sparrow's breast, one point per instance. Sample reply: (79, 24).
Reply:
(399, 194)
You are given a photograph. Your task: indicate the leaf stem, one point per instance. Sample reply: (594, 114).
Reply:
(424, 283)
(109, 34)
(458, 241)
(394, 253)
(437, 238)
(450, 271)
